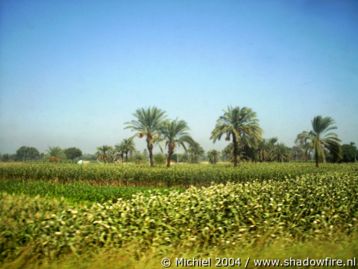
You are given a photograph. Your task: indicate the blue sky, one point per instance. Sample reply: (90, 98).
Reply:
(73, 72)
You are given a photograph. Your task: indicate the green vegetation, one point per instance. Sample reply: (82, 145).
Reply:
(56, 213)
(175, 133)
(213, 156)
(75, 192)
(72, 153)
(178, 175)
(27, 154)
(221, 217)
(147, 124)
(125, 148)
(240, 125)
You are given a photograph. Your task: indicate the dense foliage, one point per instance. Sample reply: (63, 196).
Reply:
(296, 208)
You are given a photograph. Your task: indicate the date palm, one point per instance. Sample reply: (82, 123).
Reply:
(125, 147)
(322, 137)
(175, 133)
(303, 140)
(213, 156)
(239, 125)
(147, 124)
(195, 151)
(266, 149)
(104, 153)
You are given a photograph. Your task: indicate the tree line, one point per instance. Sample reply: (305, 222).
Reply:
(238, 125)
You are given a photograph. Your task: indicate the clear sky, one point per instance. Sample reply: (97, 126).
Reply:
(72, 72)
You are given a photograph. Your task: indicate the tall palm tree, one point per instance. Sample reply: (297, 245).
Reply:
(147, 124)
(240, 125)
(323, 138)
(175, 133)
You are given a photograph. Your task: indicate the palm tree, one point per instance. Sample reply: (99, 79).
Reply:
(281, 153)
(303, 140)
(119, 152)
(147, 124)
(125, 147)
(240, 125)
(213, 156)
(104, 153)
(175, 133)
(195, 151)
(266, 149)
(322, 138)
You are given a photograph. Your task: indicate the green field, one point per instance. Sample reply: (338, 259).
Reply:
(112, 216)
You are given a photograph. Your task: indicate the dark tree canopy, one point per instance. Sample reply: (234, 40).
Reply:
(25, 153)
(73, 153)
(349, 152)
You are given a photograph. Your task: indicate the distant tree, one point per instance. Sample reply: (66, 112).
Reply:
(322, 137)
(56, 154)
(105, 153)
(281, 153)
(226, 153)
(147, 124)
(349, 152)
(25, 153)
(88, 157)
(213, 156)
(239, 124)
(72, 153)
(304, 142)
(125, 147)
(334, 153)
(8, 157)
(194, 152)
(297, 153)
(119, 152)
(266, 149)
(175, 134)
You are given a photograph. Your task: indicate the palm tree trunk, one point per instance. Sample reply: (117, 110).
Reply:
(168, 159)
(316, 156)
(170, 153)
(235, 151)
(150, 151)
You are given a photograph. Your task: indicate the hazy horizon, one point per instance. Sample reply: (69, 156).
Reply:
(73, 72)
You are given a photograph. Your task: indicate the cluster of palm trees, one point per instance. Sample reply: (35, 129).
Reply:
(269, 150)
(238, 125)
(241, 126)
(121, 151)
(153, 125)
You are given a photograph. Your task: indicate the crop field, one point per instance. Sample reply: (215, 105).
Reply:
(113, 216)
